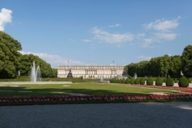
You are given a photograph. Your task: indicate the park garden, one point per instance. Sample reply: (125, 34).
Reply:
(151, 80)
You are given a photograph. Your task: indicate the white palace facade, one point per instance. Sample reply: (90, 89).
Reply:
(90, 71)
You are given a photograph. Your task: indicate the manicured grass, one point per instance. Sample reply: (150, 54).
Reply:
(89, 88)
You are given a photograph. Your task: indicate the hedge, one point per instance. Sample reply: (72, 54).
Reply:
(149, 81)
(169, 82)
(183, 82)
(159, 81)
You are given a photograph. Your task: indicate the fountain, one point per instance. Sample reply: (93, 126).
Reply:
(35, 73)
(35, 76)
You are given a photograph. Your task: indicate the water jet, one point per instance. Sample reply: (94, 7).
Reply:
(35, 73)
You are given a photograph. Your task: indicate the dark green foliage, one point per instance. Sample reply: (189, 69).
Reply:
(9, 56)
(54, 73)
(176, 80)
(139, 68)
(159, 66)
(26, 63)
(129, 81)
(186, 59)
(149, 81)
(122, 81)
(142, 81)
(169, 82)
(175, 66)
(159, 81)
(137, 81)
(115, 80)
(183, 82)
(11, 61)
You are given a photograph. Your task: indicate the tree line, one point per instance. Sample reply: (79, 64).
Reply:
(163, 66)
(12, 61)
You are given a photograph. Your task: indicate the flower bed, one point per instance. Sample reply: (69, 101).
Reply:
(30, 100)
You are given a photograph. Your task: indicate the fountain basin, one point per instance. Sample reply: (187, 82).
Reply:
(38, 82)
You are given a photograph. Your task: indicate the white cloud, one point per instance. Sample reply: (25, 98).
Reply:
(168, 36)
(151, 39)
(114, 25)
(163, 25)
(164, 31)
(5, 17)
(159, 31)
(109, 37)
(53, 59)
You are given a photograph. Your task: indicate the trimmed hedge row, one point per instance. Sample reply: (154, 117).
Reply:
(183, 81)
(30, 100)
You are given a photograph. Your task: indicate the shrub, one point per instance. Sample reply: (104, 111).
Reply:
(122, 81)
(130, 81)
(149, 81)
(159, 81)
(176, 80)
(137, 81)
(142, 81)
(114, 81)
(183, 82)
(169, 82)
(127, 81)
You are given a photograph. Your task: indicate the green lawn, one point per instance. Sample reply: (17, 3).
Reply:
(89, 88)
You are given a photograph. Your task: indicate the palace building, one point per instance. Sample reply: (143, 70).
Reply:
(90, 71)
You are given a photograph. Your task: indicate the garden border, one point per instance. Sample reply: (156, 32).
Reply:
(63, 99)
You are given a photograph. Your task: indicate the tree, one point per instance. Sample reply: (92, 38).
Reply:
(132, 69)
(26, 63)
(154, 67)
(160, 66)
(142, 68)
(9, 56)
(175, 66)
(12, 61)
(163, 66)
(186, 60)
(165, 63)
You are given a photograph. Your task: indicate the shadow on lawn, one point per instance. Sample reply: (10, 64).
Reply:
(11, 88)
(53, 91)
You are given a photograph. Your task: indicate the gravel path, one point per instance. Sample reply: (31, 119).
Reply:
(142, 115)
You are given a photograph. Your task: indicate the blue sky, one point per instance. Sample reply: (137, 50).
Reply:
(98, 31)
